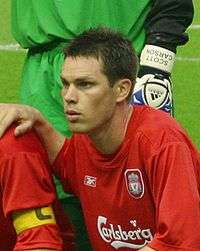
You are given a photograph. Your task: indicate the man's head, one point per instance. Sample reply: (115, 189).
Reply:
(119, 60)
(98, 75)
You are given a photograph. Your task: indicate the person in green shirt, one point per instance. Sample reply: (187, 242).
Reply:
(155, 29)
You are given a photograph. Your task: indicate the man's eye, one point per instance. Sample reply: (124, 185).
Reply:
(65, 84)
(85, 84)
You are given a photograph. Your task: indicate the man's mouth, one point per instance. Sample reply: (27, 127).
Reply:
(72, 115)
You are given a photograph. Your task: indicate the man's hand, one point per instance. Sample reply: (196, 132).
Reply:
(24, 115)
(153, 90)
(153, 86)
(28, 117)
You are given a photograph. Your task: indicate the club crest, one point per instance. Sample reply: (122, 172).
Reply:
(134, 183)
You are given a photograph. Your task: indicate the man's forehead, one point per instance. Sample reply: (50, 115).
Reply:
(82, 60)
(81, 67)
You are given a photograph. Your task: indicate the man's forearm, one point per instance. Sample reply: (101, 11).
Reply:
(51, 138)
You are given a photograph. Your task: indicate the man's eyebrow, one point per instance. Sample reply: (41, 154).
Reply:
(63, 80)
(79, 79)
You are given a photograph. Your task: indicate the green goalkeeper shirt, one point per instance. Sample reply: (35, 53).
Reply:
(36, 22)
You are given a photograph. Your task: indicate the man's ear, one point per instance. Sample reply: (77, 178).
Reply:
(122, 89)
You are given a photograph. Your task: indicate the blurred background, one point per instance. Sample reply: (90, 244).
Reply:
(185, 75)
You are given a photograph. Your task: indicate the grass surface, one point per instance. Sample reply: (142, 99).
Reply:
(10, 67)
(5, 32)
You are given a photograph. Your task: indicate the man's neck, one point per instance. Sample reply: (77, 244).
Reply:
(108, 138)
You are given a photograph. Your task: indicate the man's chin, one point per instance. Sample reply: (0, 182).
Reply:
(75, 128)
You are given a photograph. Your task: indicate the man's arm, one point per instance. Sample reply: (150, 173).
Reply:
(28, 117)
(41, 238)
(27, 192)
(165, 28)
(167, 23)
(52, 139)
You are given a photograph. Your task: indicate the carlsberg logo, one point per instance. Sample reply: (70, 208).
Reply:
(119, 238)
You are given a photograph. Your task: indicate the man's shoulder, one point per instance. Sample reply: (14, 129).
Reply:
(158, 127)
(151, 118)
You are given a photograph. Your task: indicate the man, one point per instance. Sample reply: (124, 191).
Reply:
(128, 165)
(27, 194)
(155, 28)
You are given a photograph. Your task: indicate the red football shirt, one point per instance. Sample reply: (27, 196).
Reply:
(144, 193)
(25, 183)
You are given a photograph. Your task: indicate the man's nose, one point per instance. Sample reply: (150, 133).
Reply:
(70, 94)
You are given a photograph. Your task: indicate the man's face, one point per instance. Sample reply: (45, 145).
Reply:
(89, 101)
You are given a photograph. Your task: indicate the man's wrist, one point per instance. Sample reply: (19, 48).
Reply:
(158, 58)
